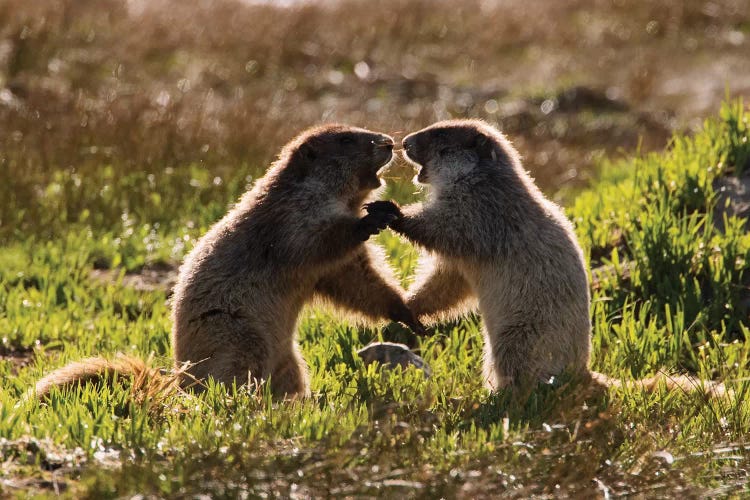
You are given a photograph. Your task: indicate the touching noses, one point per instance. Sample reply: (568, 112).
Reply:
(409, 145)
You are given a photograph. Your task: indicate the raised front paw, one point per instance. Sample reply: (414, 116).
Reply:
(379, 215)
(383, 207)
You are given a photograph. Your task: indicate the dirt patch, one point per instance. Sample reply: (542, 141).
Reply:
(18, 358)
(151, 278)
(54, 466)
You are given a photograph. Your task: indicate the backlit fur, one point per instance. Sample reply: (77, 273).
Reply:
(491, 236)
(299, 232)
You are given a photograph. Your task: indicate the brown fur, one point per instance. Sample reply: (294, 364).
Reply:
(491, 236)
(298, 233)
(90, 369)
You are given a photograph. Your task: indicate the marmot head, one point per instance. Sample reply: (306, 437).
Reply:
(450, 149)
(340, 159)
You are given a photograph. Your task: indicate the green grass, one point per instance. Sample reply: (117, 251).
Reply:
(669, 298)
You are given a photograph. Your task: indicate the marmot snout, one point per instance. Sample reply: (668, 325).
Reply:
(445, 151)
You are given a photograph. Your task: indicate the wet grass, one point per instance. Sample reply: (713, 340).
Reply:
(681, 307)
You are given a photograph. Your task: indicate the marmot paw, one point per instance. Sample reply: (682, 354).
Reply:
(378, 217)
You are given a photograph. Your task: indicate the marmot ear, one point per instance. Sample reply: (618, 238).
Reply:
(485, 147)
(303, 157)
(299, 172)
(307, 152)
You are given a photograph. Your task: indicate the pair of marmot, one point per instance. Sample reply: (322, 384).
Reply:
(490, 236)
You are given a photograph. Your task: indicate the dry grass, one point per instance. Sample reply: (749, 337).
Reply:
(146, 85)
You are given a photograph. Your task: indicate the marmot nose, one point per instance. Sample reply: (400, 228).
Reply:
(408, 145)
(384, 141)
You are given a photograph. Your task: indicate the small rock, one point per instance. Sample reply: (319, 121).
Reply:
(390, 354)
(733, 198)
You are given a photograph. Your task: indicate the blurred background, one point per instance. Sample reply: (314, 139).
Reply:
(115, 110)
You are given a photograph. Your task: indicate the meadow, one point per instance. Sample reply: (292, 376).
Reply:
(125, 139)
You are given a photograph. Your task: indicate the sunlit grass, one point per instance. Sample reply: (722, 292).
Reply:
(670, 300)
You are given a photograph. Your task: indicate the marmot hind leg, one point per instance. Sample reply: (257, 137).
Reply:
(516, 355)
(234, 352)
(510, 358)
(289, 378)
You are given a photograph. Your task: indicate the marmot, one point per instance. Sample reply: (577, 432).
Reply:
(493, 236)
(297, 233)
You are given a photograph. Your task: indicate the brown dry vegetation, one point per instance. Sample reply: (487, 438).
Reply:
(147, 85)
